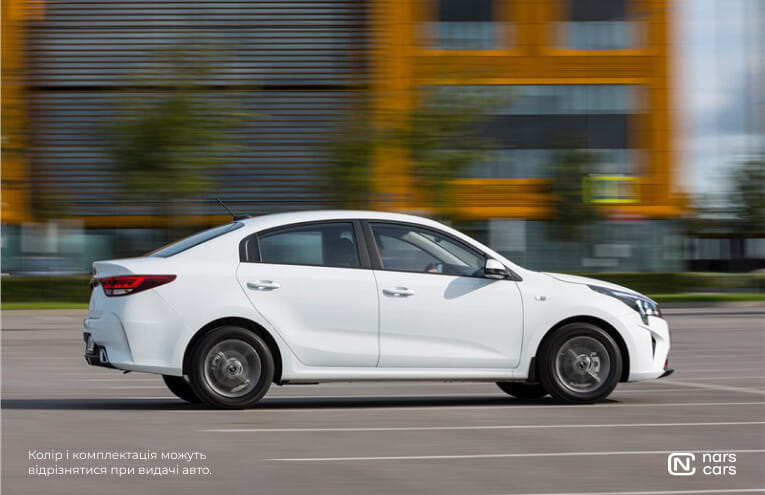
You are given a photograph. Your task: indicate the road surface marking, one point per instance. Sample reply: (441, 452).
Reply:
(268, 402)
(717, 377)
(120, 379)
(498, 456)
(450, 395)
(660, 492)
(709, 386)
(488, 427)
(111, 387)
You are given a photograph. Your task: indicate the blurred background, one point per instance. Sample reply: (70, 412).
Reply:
(570, 135)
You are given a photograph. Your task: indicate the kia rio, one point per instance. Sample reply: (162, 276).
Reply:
(324, 296)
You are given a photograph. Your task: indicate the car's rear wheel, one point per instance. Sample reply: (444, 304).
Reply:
(231, 368)
(179, 385)
(580, 363)
(521, 390)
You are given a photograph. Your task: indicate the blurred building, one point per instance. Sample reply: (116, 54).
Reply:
(593, 72)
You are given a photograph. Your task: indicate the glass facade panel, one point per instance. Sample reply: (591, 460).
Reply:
(598, 25)
(535, 163)
(464, 25)
(530, 124)
(596, 35)
(551, 99)
(597, 10)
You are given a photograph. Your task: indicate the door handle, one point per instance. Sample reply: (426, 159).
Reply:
(263, 285)
(398, 292)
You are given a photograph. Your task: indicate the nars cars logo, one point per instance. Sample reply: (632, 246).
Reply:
(681, 464)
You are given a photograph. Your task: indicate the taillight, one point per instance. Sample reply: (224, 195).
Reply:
(130, 284)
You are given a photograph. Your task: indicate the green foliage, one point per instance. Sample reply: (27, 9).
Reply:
(165, 141)
(350, 159)
(43, 305)
(438, 137)
(740, 210)
(684, 282)
(707, 297)
(442, 138)
(749, 199)
(571, 211)
(73, 289)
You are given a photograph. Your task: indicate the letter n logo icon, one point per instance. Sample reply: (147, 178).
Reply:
(681, 464)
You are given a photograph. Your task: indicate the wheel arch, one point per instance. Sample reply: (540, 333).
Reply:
(600, 323)
(239, 322)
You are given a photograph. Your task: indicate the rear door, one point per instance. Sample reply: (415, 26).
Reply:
(312, 283)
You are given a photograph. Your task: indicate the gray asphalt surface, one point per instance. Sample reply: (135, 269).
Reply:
(386, 438)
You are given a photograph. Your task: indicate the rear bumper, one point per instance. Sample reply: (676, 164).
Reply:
(97, 356)
(140, 333)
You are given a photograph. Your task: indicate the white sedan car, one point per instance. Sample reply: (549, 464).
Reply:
(325, 296)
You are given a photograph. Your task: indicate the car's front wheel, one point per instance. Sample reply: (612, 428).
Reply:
(521, 390)
(231, 368)
(580, 363)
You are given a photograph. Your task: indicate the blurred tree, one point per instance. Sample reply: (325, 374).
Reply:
(571, 210)
(168, 134)
(439, 136)
(348, 175)
(443, 137)
(48, 206)
(708, 213)
(749, 196)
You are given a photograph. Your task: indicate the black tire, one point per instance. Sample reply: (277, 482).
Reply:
(179, 385)
(580, 364)
(231, 368)
(521, 390)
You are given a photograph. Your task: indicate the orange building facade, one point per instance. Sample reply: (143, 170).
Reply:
(531, 44)
(600, 66)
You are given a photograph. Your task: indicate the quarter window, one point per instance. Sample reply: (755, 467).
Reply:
(412, 249)
(329, 244)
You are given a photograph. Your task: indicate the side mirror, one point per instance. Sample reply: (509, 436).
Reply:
(494, 269)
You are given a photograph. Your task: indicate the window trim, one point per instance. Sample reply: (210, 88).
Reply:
(361, 250)
(376, 259)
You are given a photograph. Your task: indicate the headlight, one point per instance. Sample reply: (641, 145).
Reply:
(644, 306)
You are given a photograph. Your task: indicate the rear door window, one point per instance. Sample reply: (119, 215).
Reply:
(325, 244)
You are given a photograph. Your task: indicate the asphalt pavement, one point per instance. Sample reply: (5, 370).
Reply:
(68, 428)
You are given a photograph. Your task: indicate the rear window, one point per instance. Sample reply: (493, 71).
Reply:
(194, 240)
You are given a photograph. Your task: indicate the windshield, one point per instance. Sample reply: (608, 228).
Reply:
(194, 240)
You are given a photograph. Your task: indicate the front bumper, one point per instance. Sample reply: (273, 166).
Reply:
(667, 372)
(648, 346)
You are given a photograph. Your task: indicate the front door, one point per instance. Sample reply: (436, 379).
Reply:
(437, 310)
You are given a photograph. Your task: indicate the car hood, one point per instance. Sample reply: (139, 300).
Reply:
(576, 279)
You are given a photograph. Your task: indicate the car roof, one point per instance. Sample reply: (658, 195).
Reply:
(278, 219)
